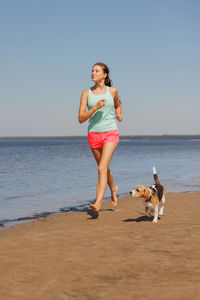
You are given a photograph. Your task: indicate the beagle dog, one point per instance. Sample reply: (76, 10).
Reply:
(153, 196)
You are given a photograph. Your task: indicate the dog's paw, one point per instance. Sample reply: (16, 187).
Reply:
(161, 212)
(155, 221)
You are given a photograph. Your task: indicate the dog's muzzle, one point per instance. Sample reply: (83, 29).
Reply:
(132, 193)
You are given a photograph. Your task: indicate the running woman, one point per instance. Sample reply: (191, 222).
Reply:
(103, 106)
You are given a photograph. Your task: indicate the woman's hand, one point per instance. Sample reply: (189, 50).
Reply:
(100, 104)
(119, 117)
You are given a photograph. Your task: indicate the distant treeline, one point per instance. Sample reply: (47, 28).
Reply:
(127, 137)
(160, 137)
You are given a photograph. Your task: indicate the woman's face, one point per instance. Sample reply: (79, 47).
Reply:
(98, 73)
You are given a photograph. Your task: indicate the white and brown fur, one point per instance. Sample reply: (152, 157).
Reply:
(153, 196)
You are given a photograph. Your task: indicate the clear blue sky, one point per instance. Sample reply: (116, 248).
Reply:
(49, 46)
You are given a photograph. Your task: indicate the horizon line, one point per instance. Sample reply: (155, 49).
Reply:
(123, 136)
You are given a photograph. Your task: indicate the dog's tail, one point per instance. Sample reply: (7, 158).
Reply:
(155, 176)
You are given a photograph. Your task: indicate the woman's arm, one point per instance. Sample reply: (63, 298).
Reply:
(83, 114)
(117, 104)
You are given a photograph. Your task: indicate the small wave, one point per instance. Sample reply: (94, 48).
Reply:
(5, 222)
(65, 209)
(17, 197)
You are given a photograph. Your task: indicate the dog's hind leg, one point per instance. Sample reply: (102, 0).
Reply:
(161, 212)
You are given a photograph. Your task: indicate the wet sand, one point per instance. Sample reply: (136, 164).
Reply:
(120, 255)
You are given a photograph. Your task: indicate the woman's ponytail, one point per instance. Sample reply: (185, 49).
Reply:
(108, 81)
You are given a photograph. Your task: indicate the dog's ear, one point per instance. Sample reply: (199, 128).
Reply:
(146, 192)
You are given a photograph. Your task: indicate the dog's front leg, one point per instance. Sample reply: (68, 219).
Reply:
(155, 219)
(147, 210)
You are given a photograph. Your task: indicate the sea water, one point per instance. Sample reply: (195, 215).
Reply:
(43, 176)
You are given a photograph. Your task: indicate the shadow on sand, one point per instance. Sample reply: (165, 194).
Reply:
(140, 219)
(93, 215)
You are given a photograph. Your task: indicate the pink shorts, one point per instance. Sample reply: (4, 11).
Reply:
(97, 139)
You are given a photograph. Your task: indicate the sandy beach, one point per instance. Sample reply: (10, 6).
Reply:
(120, 255)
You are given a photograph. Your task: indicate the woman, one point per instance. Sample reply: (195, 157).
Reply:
(103, 136)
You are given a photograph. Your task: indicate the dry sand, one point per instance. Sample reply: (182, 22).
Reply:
(120, 255)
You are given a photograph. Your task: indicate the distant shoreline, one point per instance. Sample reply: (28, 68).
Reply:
(122, 137)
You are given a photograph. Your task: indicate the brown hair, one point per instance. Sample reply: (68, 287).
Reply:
(108, 81)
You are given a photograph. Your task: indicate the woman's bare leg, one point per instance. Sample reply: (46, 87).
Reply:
(106, 155)
(113, 188)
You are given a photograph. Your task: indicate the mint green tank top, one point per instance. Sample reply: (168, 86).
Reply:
(103, 119)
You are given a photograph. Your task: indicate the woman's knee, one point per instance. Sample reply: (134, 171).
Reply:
(102, 169)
